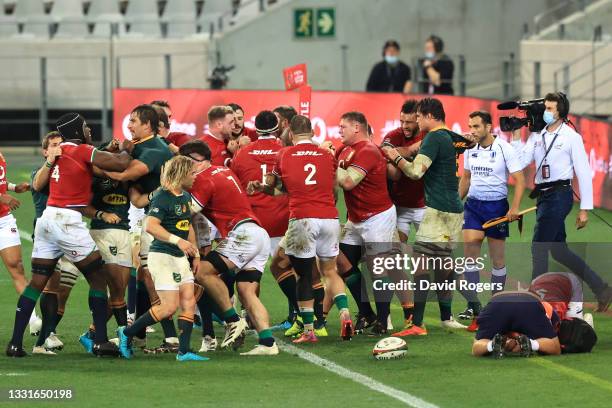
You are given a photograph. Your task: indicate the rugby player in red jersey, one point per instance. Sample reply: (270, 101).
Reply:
(563, 290)
(251, 163)
(245, 247)
(407, 195)
(220, 124)
(61, 230)
(172, 138)
(240, 132)
(372, 221)
(308, 173)
(10, 243)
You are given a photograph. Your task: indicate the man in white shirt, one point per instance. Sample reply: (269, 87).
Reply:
(485, 183)
(558, 152)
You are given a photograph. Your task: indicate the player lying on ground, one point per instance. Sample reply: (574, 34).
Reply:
(168, 221)
(308, 173)
(520, 323)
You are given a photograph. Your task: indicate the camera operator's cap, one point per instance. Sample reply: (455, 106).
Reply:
(266, 122)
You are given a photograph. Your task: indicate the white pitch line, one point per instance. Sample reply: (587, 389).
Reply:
(13, 374)
(25, 235)
(364, 380)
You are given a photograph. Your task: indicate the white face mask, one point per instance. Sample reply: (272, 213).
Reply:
(391, 59)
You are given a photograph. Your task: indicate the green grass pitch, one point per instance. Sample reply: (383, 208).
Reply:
(438, 368)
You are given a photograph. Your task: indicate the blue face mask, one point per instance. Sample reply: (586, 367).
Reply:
(391, 59)
(430, 55)
(548, 117)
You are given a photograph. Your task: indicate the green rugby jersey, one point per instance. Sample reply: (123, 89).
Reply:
(39, 197)
(112, 197)
(153, 152)
(441, 181)
(174, 212)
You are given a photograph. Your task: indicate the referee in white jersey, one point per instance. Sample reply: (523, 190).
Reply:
(558, 153)
(485, 183)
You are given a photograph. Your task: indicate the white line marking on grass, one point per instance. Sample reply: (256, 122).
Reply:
(13, 374)
(25, 235)
(364, 380)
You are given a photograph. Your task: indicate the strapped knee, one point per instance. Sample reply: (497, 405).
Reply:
(302, 266)
(251, 275)
(43, 269)
(217, 262)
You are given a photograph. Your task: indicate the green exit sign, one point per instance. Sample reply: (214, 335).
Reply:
(326, 22)
(309, 21)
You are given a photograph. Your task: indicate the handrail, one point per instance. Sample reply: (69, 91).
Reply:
(596, 47)
(582, 4)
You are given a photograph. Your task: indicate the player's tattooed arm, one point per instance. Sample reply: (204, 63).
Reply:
(349, 179)
(414, 169)
(195, 264)
(135, 170)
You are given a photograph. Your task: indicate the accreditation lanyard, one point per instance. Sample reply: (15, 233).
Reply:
(544, 164)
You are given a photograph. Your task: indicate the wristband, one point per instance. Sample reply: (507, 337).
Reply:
(48, 165)
(397, 160)
(99, 214)
(173, 239)
(150, 196)
(11, 187)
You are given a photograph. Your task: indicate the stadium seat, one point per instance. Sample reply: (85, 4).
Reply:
(32, 14)
(8, 26)
(143, 18)
(180, 17)
(69, 16)
(105, 13)
(212, 11)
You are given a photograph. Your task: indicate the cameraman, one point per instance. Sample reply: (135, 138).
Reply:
(558, 153)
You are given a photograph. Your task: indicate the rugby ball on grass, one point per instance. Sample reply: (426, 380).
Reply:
(390, 348)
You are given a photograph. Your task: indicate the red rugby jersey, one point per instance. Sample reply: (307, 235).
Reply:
(252, 162)
(222, 200)
(308, 173)
(71, 176)
(406, 192)
(370, 196)
(178, 138)
(4, 209)
(219, 156)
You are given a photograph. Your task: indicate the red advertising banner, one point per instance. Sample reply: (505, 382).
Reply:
(189, 108)
(305, 100)
(295, 76)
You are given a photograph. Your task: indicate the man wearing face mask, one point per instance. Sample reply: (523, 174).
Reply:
(438, 68)
(391, 74)
(559, 154)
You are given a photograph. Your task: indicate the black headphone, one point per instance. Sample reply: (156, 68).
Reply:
(563, 106)
(437, 43)
(390, 43)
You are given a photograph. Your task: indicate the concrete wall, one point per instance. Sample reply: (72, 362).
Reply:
(74, 69)
(590, 90)
(486, 31)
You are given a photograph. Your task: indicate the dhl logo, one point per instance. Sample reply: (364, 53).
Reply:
(183, 225)
(115, 199)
